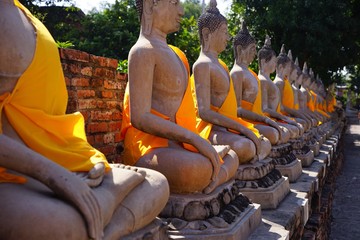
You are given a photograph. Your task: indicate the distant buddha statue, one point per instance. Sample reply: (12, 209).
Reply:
(215, 97)
(270, 93)
(248, 88)
(53, 184)
(159, 119)
(283, 71)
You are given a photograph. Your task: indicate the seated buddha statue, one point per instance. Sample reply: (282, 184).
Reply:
(248, 89)
(159, 119)
(53, 184)
(315, 97)
(270, 93)
(283, 71)
(214, 93)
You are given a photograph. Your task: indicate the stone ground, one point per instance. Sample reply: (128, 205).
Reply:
(346, 206)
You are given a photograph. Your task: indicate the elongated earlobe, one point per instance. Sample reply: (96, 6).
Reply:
(206, 39)
(148, 16)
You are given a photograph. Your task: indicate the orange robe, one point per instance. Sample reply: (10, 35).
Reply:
(138, 143)
(288, 96)
(228, 108)
(36, 110)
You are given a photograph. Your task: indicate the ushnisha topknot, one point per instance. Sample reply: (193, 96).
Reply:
(211, 19)
(266, 52)
(305, 69)
(282, 59)
(243, 38)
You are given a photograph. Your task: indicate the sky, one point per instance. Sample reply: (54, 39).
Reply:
(87, 5)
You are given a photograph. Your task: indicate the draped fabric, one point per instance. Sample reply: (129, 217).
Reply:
(228, 108)
(138, 143)
(288, 95)
(36, 109)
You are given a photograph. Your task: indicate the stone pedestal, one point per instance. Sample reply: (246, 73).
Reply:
(269, 198)
(223, 214)
(286, 162)
(156, 230)
(302, 151)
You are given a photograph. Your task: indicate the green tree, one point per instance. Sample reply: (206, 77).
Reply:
(325, 33)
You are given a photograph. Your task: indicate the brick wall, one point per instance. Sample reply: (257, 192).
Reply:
(96, 89)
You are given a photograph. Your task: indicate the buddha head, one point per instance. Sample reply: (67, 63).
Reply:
(267, 57)
(164, 15)
(306, 77)
(244, 45)
(283, 65)
(293, 71)
(213, 30)
(299, 75)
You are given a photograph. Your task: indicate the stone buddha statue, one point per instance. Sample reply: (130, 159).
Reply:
(295, 74)
(47, 167)
(215, 97)
(283, 71)
(159, 119)
(313, 90)
(248, 88)
(270, 93)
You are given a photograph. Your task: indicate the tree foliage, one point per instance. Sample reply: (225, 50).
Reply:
(325, 33)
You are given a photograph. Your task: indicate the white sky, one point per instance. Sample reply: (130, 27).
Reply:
(87, 5)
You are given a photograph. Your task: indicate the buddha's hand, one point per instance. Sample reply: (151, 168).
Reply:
(206, 149)
(95, 176)
(274, 124)
(257, 141)
(290, 121)
(76, 191)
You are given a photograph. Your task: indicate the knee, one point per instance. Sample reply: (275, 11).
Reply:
(273, 136)
(245, 150)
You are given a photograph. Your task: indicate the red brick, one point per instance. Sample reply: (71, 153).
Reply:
(101, 104)
(121, 77)
(87, 104)
(97, 127)
(76, 55)
(117, 137)
(97, 83)
(114, 127)
(74, 68)
(67, 81)
(116, 116)
(99, 139)
(101, 115)
(108, 138)
(86, 115)
(104, 62)
(107, 94)
(104, 72)
(80, 82)
(107, 150)
(91, 140)
(112, 85)
(112, 104)
(72, 94)
(87, 71)
(85, 93)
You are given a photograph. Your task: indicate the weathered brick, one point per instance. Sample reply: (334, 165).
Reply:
(87, 104)
(104, 72)
(101, 104)
(74, 68)
(97, 127)
(91, 140)
(80, 82)
(87, 71)
(113, 104)
(114, 126)
(116, 115)
(85, 93)
(96, 83)
(99, 139)
(117, 138)
(67, 81)
(121, 77)
(101, 115)
(107, 94)
(108, 138)
(104, 62)
(107, 150)
(72, 54)
(112, 85)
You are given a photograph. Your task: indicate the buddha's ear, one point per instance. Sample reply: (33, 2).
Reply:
(147, 16)
(206, 38)
(238, 50)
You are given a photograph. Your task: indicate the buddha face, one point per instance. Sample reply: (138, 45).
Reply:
(219, 38)
(250, 52)
(299, 78)
(293, 73)
(269, 66)
(167, 15)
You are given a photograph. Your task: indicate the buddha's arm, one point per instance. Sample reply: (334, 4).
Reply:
(202, 82)
(141, 84)
(18, 157)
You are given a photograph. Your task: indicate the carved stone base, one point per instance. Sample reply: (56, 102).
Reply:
(297, 143)
(269, 198)
(292, 170)
(240, 228)
(314, 146)
(156, 230)
(305, 155)
(281, 150)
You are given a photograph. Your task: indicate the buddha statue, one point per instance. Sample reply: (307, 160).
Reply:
(248, 89)
(270, 93)
(217, 109)
(53, 184)
(159, 119)
(283, 71)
